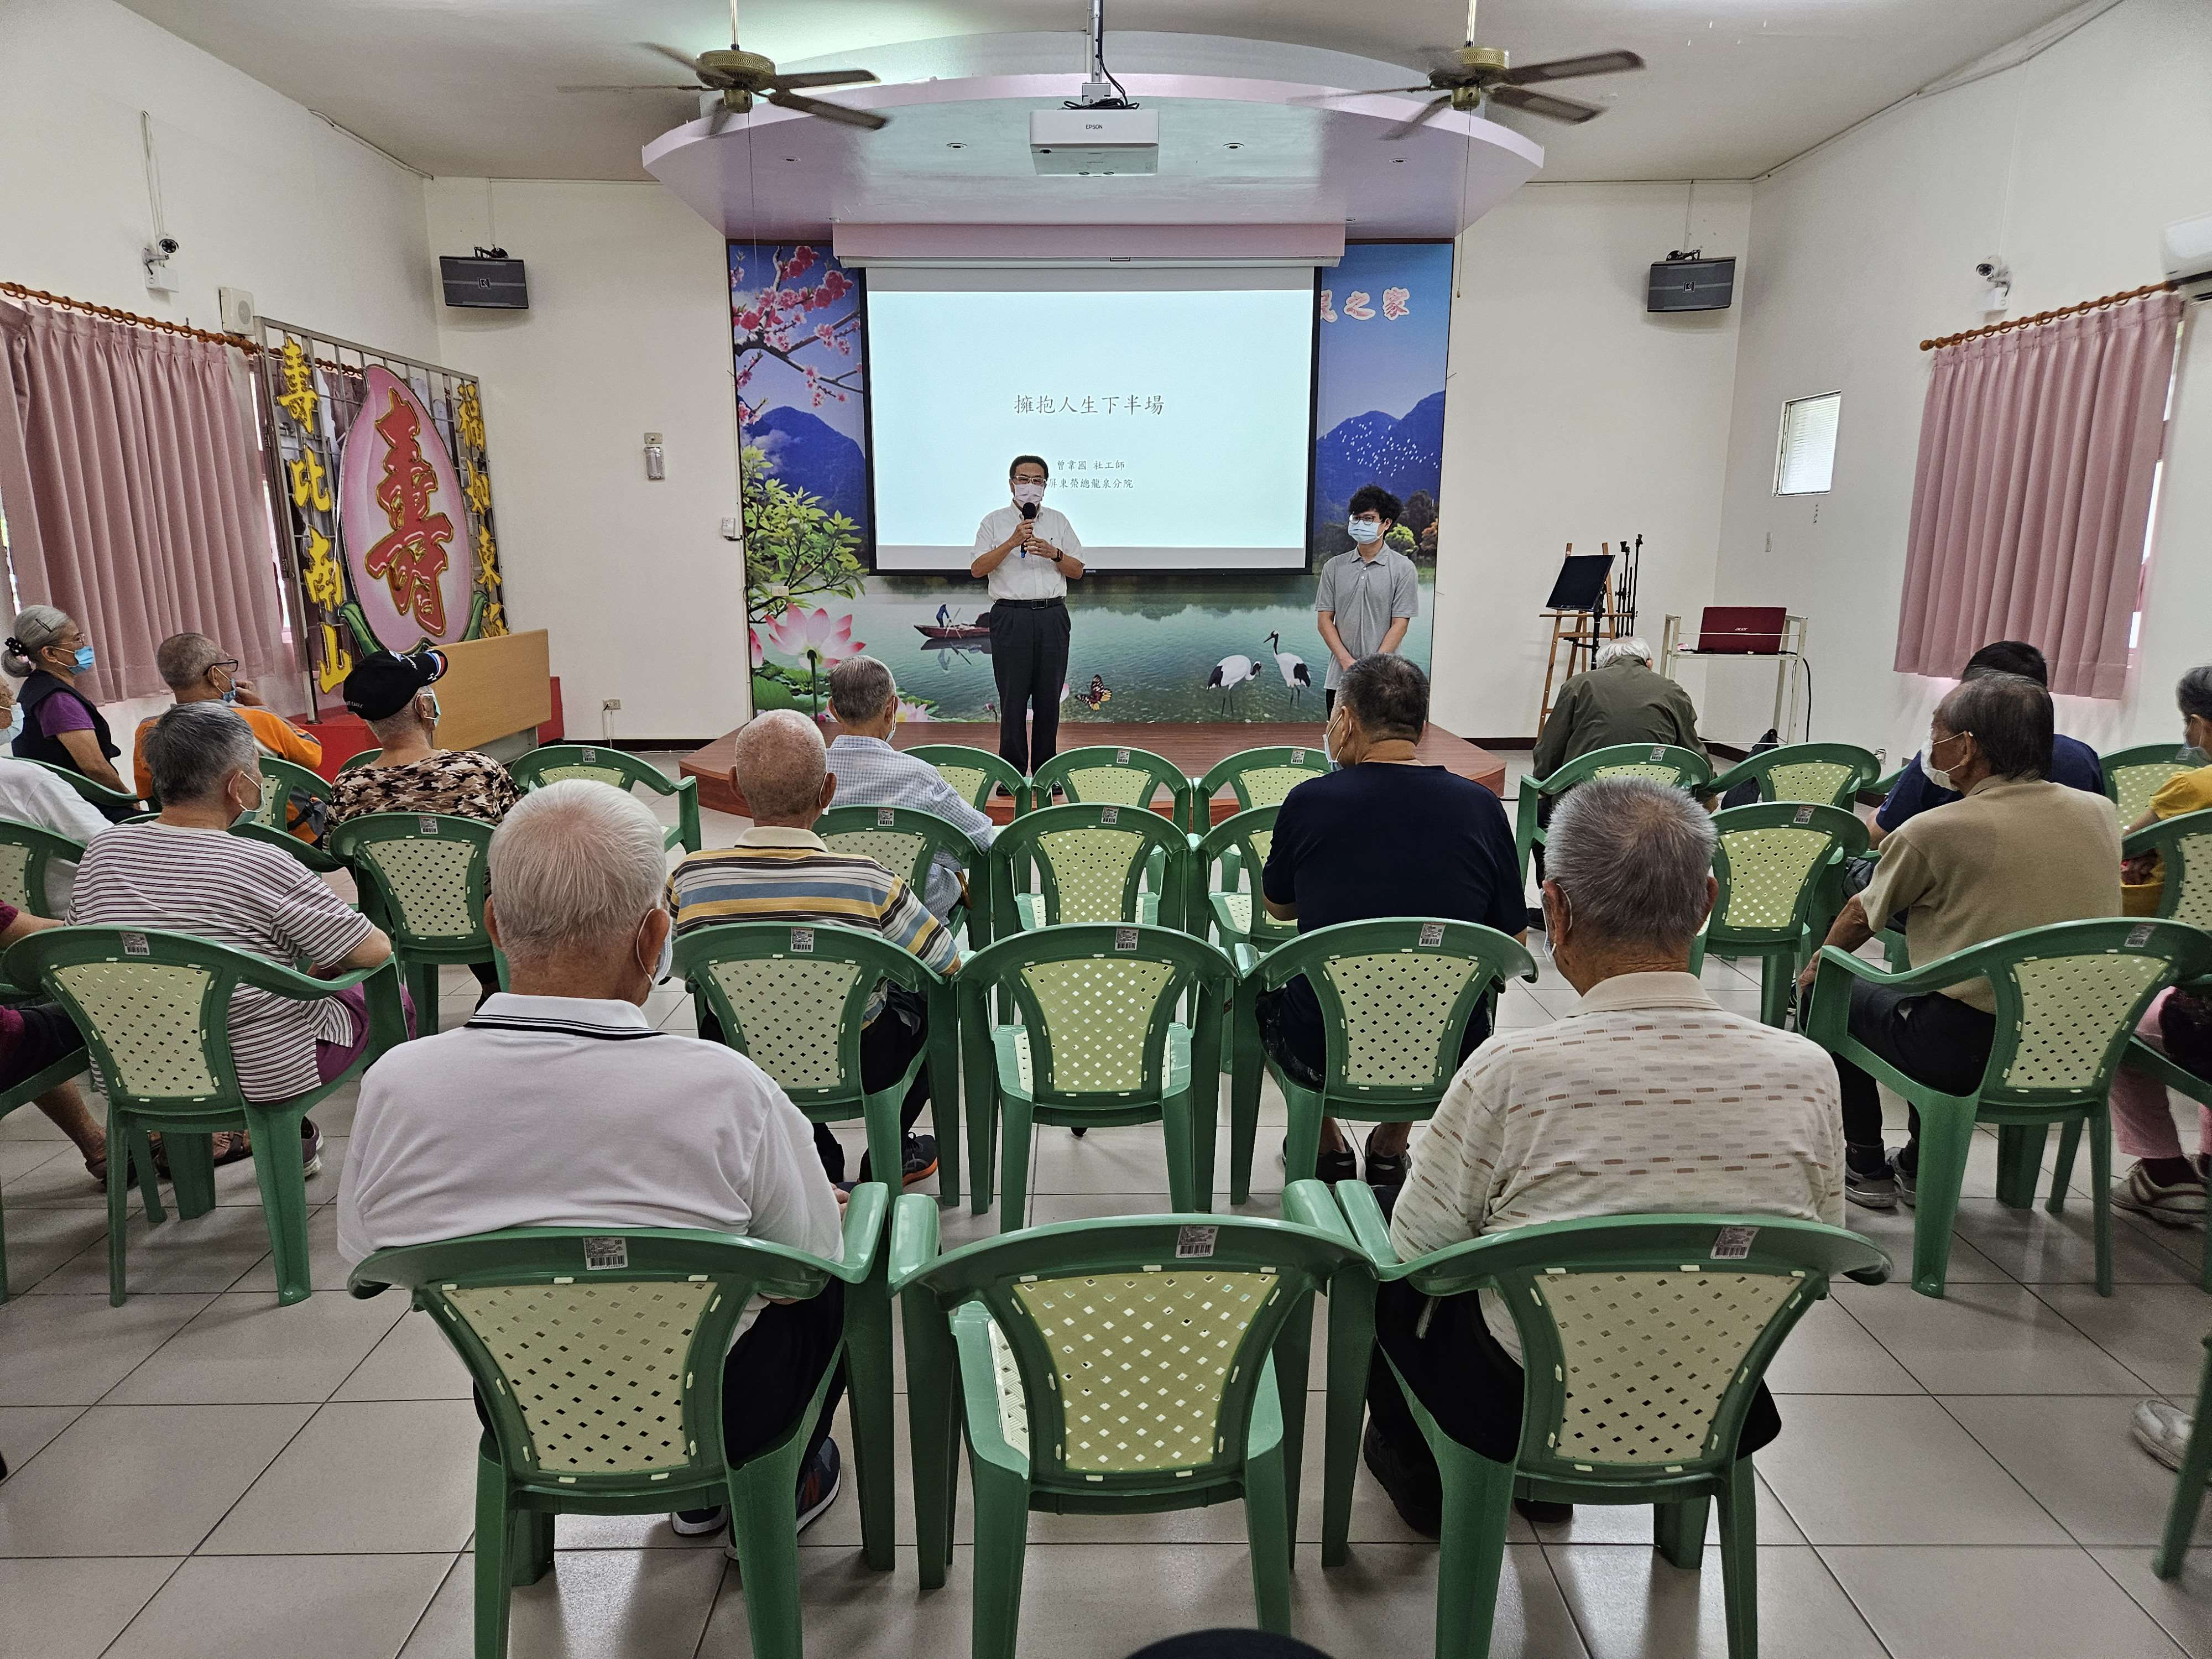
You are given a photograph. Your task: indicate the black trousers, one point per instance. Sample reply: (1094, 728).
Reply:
(1937, 1039)
(1029, 659)
(771, 1373)
(888, 1047)
(1467, 1380)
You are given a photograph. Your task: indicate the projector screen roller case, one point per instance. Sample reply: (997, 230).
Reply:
(1174, 407)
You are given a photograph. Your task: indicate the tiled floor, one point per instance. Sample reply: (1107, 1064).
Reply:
(202, 1473)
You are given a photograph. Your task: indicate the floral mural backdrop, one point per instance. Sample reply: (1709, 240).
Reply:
(1146, 644)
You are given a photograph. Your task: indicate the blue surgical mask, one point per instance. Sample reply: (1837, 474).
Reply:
(1363, 531)
(230, 697)
(84, 658)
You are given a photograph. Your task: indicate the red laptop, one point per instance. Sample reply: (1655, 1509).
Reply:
(1741, 630)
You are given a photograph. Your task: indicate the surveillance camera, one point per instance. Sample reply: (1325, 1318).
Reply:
(1992, 269)
(169, 245)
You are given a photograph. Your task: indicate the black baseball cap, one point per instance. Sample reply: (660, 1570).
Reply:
(383, 684)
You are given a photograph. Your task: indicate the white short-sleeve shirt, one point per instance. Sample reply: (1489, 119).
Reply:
(1027, 575)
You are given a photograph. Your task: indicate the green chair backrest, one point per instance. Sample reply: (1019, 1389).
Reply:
(793, 998)
(1091, 862)
(1242, 840)
(2183, 846)
(426, 877)
(1643, 1338)
(28, 855)
(1769, 859)
(108, 801)
(1682, 769)
(1115, 777)
(904, 840)
(281, 782)
(361, 759)
(1096, 1001)
(974, 774)
(1396, 997)
(2132, 776)
(597, 1356)
(1129, 1351)
(595, 762)
(1259, 777)
(1826, 774)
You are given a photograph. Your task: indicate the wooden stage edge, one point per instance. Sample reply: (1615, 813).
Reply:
(1196, 749)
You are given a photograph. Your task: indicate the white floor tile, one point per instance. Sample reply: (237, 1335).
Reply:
(394, 1476)
(2003, 1603)
(411, 1362)
(2073, 1454)
(249, 1606)
(1630, 1604)
(1985, 1339)
(73, 1609)
(595, 1604)
(2182, 1606)
(2157, 1331)
(242, 1347)
(69, 1351)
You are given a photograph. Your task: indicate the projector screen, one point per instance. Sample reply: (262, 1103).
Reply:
(1174, 409)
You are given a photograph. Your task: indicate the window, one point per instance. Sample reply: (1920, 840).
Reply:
(1805, 458)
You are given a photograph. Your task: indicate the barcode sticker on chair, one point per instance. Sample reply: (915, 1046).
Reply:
(2139, 937)
(1297, 758)
(1121, 757)
(428, 824)
(1109, 815)
(591, 754)
(1804, 815)
(886, 816)
(1124, 938)
(1194, 1243)
(1432, 935)
(602, 1255)
(1732, 1244)
(802, 941)
(134, 945)
(1658, 751)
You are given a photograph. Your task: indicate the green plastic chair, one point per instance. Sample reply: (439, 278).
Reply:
(361, 759)
(1643, 1338)
(1115, 777)
(110, 801)
(2068, 999)
(1257, 777)
(1234, 912)
(281, 782)
(69, 1066)
(792, 999)
(1093, 864)
(1110, 1367)
(2189, 1486)
(975, 774)
(1773, 862)
(28, 853)
(423, 879)
(1396, 997)
(600, 764)
(2132, 776)
(905, 841)
(598, 1357)
(1682, 768)
(154, 1010)
(1097, 1045)
(2183, 846)
(1826, 774)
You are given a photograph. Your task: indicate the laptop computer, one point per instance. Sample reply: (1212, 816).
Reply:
(1741, 630)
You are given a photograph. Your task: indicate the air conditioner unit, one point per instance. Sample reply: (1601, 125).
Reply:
(2188, 250)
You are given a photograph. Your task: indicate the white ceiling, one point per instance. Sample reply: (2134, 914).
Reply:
(466, 86)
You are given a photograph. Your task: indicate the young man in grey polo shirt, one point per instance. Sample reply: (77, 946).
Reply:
(1370, 596)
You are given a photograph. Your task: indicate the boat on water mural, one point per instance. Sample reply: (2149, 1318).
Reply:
(1147, 645)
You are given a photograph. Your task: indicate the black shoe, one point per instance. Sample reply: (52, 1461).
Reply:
(699, 1523)
(819, 1483)
(1542, 1512)
(311, 1149)
(1871, 1188)
(920, 1161)
(1079, 1130)
(1389, 1171)
(1333, 1167)
(1420, 1502)
(1907, 1177)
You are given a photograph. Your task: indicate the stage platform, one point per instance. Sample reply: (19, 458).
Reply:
(1196, 749)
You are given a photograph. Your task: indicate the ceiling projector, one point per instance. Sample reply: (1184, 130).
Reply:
(1090, 143)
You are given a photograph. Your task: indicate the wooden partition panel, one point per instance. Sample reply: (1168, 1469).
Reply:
(493, 688)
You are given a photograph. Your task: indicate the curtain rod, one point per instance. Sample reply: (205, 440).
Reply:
(131, 317)
(2121, 298)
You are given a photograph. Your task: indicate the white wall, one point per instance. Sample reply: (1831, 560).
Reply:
(261, 194)
(1575, 415)
(628, 333)
(1862, 250)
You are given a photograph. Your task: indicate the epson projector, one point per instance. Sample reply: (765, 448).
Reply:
(1095, 143)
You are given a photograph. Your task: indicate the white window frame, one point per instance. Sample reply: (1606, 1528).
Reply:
(1782, 441)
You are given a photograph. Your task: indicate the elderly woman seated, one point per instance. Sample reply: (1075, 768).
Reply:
(185, 873)
(1648, 1097)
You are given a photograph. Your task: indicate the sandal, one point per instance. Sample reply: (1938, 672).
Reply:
(226, 1145)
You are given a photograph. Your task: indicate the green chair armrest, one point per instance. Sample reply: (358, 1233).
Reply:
(913, 1238)
(1307, 1203)
(866, 1207)
(1364, 1212)
(1247, 960)
(1743, 771)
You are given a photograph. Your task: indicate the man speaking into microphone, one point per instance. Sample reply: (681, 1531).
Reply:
(1029, 553)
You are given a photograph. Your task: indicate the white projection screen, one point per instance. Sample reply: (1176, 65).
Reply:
(1174, 408)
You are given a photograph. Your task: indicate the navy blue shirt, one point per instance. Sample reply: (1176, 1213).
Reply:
(2073, 763)
(1379, 840)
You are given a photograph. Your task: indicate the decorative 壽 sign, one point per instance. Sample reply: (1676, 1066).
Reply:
(404, 523)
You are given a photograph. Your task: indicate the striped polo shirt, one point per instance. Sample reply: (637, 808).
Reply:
(789, 876)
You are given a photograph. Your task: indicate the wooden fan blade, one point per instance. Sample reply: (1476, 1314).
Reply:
(1371, 92)
(719, 120)
(1542, 103)
(1406, 129)
(692, 63)
(1566, 69)
(819, 78)
(632, 86)
(843, 114)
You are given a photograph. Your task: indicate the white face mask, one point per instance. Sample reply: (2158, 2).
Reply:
(1938, 776)
(1026, 495)
(246, 813)
(436, 713)
(1363, 531)
(667, 962)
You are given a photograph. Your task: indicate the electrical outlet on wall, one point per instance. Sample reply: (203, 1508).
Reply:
(607, 718)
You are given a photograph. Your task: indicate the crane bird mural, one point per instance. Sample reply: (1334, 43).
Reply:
(1230, 673)
(1292, 667)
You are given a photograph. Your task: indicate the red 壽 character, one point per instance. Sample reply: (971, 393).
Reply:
(412, 557)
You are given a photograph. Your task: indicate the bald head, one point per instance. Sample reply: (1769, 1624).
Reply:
(781, 768)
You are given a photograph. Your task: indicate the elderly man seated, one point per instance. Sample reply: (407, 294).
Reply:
(779, 871)
(2015, 851)
(580, 1114)
(185, 871)
(1648, 1097)
(1621, 700)
(197, 670)
(871, 773)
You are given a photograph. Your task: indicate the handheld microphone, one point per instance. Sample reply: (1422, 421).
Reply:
(1029, 509)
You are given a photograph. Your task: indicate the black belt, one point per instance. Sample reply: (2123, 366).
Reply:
(1025, 604)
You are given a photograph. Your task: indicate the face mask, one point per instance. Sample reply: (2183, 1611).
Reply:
(1028, 494)
(1363, 531)
(1938, 776)
(246, 813)
(84, 658)
(667, 962)
(434, 711)
(230, 697)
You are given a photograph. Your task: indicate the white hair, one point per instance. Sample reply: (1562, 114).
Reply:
(575, 865)
(1628, 647)
(1632, 856)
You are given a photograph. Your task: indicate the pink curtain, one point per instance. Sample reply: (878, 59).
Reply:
(130, 471)
(2032, 496)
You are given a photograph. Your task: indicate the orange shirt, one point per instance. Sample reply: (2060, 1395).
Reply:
(277, 736)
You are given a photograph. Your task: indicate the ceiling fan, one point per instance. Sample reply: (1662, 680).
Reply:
(1467, 79)
(738, 76)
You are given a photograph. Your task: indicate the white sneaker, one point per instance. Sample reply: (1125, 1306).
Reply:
(2162, 1430)
(2180, 1204)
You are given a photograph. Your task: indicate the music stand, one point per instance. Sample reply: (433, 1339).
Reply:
(1576, 610)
